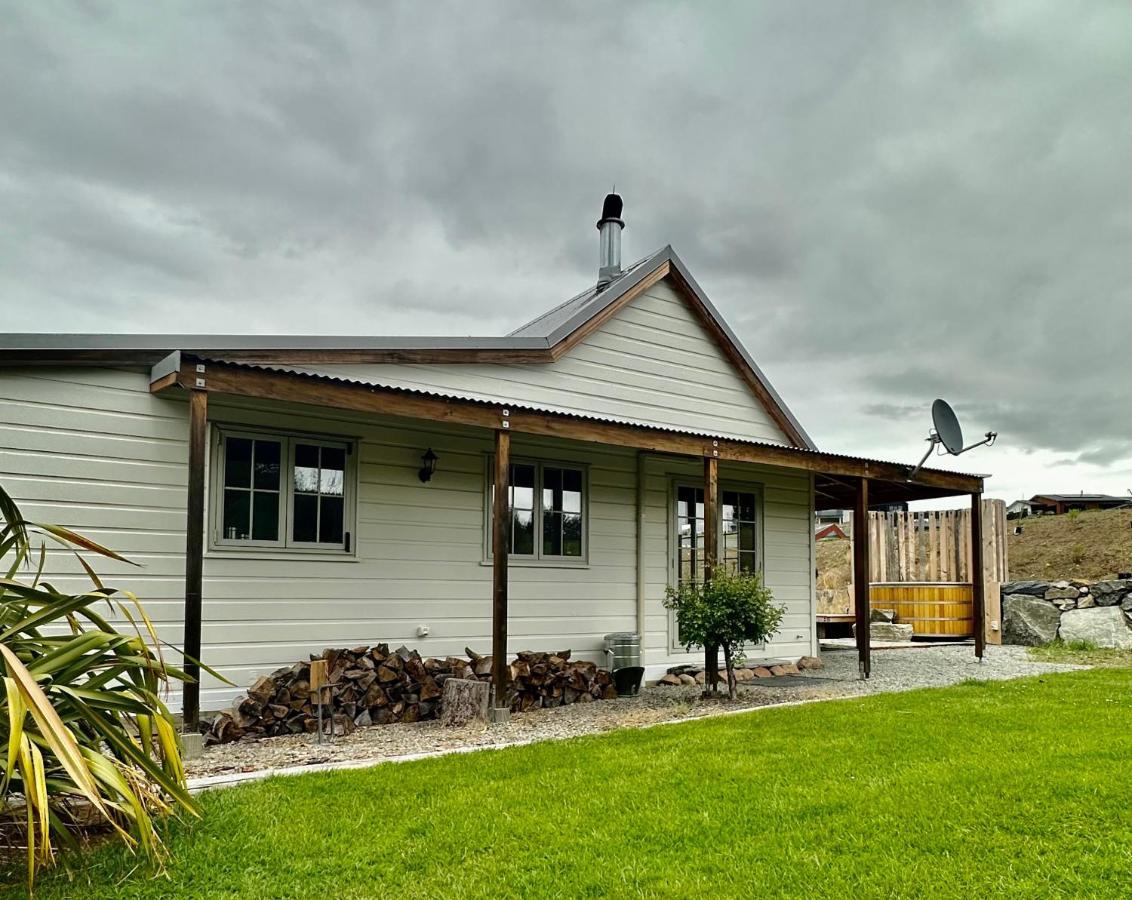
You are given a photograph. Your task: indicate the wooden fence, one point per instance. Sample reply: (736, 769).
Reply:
(920, 565)
(935, 546)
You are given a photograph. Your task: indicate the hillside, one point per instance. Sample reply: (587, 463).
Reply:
(1088, 545)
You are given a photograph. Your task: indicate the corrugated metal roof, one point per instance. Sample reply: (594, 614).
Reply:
(549, 410)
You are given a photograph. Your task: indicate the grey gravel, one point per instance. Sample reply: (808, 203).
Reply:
(893, 670)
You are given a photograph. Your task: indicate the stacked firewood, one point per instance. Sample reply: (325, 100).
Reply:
(376, 686)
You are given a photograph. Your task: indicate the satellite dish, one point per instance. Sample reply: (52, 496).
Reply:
(947, 427)
(947, 433)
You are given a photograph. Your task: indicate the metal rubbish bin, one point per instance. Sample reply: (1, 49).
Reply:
(622, 650)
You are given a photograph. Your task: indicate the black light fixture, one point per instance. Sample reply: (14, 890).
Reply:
(428, 465)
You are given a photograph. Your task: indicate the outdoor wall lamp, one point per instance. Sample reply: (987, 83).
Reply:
(428, 466)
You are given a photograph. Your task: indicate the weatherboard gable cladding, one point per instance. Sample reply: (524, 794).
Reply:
(652, 363)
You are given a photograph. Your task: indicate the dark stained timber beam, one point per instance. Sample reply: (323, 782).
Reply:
(978, 576)
(325, 391)
(861, 576)
(194, 555)
(500, 522)
(711, 556)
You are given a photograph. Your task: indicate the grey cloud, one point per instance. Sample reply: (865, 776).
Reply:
(891, 202)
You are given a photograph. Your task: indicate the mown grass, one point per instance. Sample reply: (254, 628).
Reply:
(1083, 653)
(984, 789)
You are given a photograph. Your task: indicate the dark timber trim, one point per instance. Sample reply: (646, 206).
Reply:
(500, 520)
(861, 576)
(711, 555)
(978, 576)
(194, 554)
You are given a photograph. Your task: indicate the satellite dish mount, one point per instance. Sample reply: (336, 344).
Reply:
(945, 432)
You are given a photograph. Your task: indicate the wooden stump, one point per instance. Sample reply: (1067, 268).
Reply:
(464, 701)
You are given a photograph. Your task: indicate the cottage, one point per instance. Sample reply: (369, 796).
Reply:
(539, 490)
(1059, 504)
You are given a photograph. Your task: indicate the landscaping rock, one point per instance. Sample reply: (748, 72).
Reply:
(882, 615)
(744, 675)
(1028, 620)
(890, 631)
(789, 668)
(1062, 590)
(1086, 601)
(1105, 626)
(762, 672)
(1037, 588)
(1111, 593)
(669, 679)
(809, 662)
(685, 678)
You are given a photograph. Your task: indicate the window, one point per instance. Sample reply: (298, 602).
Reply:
(282, 491)
(739, 549)
(547, 511)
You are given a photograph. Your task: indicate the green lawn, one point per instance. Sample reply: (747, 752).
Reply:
(1011, 789)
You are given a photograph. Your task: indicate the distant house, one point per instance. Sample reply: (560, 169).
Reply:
(1063, 503)
(831, 516)
(830, 531)
(1019, 509)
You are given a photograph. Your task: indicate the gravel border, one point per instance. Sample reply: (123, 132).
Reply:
(893, 670)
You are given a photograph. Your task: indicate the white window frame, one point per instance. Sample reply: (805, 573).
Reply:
(538, 558)
(285, 545)
(751, 487)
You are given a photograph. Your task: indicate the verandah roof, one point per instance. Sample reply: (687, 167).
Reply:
(835, 475)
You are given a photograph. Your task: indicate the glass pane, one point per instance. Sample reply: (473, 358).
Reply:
(571, 535)
(523, 542)
(333, 477)
(523, 498)
(747, 562)
(237, 515)
(522, 475)
(330, 520)
(267, 465)
(237, 462)
(306, 468)
(571, 491)
(265, 515)
(747, 537)
(552, 533)
(306, 518)
(747, 507)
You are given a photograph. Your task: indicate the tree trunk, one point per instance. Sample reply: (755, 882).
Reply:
(711, 668)
(730, 671)
(464, 701)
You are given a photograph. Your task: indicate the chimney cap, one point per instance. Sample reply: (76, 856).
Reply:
(611, 210)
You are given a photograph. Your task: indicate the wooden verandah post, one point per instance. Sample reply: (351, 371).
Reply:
(194, 556)
(861, 575)
(711, 557)
(500, 522)
(978, 576)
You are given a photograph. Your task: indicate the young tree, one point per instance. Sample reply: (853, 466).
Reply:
(729, 611)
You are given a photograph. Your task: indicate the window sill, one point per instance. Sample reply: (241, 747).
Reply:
(513, 563)
(266, 553)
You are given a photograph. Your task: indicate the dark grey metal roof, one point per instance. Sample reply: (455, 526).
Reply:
(1092, 498)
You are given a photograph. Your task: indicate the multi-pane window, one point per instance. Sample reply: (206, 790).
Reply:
(546, 509)
(689, 534)
(739, 527)
(282, 491)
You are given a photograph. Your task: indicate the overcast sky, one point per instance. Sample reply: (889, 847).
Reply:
(889, 201)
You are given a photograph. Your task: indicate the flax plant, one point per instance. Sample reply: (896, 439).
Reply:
(85, 736)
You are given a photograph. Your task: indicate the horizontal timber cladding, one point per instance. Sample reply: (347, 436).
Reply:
(651, 363)
(94, 449)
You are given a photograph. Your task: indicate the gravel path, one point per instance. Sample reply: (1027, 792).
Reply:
(893, 670)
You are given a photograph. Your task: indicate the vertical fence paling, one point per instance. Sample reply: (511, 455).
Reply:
(935, 546)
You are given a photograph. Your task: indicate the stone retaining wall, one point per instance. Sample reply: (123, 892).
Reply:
(1037, 612)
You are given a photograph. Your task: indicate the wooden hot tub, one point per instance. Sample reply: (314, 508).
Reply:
(933, 609)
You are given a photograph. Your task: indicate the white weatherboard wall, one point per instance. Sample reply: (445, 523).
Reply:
(92, 449)
(653, 363)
